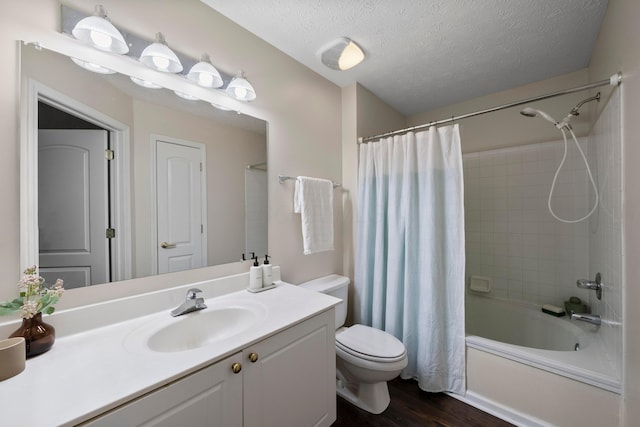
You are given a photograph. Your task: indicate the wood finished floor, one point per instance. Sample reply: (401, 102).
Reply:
(412, 407)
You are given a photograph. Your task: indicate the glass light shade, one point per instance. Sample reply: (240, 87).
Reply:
(341, 54)
(351, 56)
(145, 83)
(241, 89)
(205, 74)
(97, 31)
(92, 67)
(186, 96)
(159, 56)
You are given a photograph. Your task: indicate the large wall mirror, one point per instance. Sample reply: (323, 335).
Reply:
(132, 181)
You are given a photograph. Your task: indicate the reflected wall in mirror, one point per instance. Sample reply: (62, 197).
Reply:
(186, 187)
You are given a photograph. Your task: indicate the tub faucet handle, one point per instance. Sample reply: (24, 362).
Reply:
(595, 285)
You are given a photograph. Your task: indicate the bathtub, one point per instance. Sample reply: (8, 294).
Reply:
(527, 335)
(523, 366)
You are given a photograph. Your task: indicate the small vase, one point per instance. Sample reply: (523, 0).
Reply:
(38, 335)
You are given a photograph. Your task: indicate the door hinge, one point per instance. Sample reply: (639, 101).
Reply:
(111, 233)
(109, 154)
(201, 167)
(201, 228)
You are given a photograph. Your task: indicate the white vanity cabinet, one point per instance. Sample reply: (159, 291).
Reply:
(291, 381)
(285, 380)
(209, 397)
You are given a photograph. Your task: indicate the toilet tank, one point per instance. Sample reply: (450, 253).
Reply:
(336, 286)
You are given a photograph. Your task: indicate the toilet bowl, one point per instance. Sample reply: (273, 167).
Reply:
(366, 358)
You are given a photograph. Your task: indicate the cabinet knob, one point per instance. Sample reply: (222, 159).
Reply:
(253, 357)
(236, 368)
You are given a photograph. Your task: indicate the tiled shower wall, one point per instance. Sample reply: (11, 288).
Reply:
(605, 226)
(511, 236)
(533, 258)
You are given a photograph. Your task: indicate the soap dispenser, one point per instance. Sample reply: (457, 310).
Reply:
(267, 279)
(255, 274)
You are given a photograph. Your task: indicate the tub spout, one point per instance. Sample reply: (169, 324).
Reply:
(586, 317)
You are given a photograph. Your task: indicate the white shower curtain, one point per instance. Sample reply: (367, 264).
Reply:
(409, 257)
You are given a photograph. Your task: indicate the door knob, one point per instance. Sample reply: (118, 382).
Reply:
(236, 368)
(166, 245)
(253, 357)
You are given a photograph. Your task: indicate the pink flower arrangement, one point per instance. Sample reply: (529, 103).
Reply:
(34, 297)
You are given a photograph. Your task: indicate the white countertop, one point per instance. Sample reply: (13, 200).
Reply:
(90, 372)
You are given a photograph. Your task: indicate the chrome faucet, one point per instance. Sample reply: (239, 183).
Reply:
(586, 317)
(192, 303)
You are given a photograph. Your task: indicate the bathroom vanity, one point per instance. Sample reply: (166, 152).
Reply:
(248, 359)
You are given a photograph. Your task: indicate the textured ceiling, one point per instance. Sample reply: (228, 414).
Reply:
(424, 54)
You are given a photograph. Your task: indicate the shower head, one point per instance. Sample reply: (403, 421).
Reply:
(531, 112)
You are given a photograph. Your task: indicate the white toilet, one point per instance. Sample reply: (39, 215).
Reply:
(366, 358)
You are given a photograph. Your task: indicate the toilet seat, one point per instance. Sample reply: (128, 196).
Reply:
(365, 342)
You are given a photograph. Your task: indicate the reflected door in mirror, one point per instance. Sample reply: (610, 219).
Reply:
(73, 206)
(179, 207)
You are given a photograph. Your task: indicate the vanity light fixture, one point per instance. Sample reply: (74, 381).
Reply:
(92, 67)
(205, 74)
(241, 89)
(97, 31)
(341, 54)
(221, 107)
(159, 56)
(145, 83)
(186, 96)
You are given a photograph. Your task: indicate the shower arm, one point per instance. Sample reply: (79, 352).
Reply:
(574, 110)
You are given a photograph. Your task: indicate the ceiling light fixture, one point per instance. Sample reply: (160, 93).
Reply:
(241, 89)
(160, 57)
(92, 67)
(341, 54)
(205, 74)
(97, 31)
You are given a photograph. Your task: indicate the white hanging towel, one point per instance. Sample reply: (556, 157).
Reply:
(313, 200)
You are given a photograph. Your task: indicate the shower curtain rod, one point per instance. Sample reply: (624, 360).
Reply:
(614, 80)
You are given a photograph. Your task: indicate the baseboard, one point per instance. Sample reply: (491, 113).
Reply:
(497, 410)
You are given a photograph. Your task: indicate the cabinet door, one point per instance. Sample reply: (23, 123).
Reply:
(292, 382)
(210, 397)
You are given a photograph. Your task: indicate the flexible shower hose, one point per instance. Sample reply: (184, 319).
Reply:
(555, 177)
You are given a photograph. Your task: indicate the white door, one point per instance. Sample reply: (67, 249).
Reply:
(72, 206)
(179, 206)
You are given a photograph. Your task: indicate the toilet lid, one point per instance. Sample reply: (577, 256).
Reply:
(370, 343)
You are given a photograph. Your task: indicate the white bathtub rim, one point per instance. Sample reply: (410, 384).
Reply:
(496, 409)
(537, 358)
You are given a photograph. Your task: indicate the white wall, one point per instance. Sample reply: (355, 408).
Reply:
(302, 109)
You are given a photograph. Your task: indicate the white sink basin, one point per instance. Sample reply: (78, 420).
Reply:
(220, 321)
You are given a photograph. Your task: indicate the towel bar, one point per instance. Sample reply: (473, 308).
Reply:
(283, 178)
